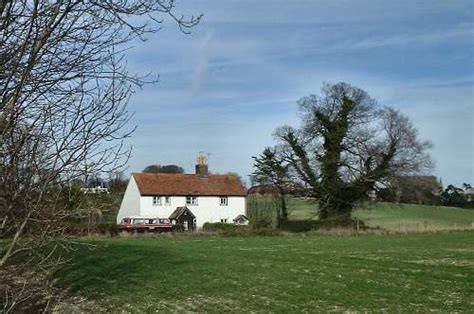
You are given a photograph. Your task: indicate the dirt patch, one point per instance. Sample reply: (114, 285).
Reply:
(27, 291)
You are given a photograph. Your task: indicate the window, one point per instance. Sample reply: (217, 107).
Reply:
(224, 220)
(191, 200)
(224, 201)
(156, 200)
(167, 200)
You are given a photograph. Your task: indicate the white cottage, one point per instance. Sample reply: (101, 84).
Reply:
(192, 199)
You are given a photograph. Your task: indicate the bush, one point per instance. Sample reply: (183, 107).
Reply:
(109, 228)
(261, 212)
(178, 228)
(300, 225)
(217, 226)
(230, 230)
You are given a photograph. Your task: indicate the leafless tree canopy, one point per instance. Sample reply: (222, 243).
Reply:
(64, 88)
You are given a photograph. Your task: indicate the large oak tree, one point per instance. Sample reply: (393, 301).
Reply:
(348, 145)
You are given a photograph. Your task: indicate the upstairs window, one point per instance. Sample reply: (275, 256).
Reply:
(224, 201)
(167, 200)
(156, 200)
(191, 200)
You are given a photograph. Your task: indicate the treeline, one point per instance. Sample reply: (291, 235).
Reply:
(428, 192)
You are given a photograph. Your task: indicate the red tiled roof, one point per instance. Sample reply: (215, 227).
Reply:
(188, 184)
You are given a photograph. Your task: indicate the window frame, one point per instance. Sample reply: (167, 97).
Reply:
(193, 200)
(226, 200)
(156, 200)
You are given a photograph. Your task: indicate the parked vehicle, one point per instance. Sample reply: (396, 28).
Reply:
(142, 224)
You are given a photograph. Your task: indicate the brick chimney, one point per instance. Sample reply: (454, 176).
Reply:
(202, 169)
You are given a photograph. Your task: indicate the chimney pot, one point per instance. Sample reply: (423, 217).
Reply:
(202, 169)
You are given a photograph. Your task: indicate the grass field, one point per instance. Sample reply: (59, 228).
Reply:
(306, 272)
(396, 273)
(400, 217)
(390, 216)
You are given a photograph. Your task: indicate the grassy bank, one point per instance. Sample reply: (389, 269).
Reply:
(410, 217)
(291, 273)
(390, 216)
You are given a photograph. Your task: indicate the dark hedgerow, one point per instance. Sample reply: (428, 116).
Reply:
(326, 224)
(217, 226)
(230, 230)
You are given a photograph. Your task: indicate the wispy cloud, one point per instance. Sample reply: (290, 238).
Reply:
(200, 69)
(413, 37)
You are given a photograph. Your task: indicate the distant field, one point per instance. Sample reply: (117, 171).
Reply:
(397, 217)
(298, 209)
(396, 273)
(408, 217)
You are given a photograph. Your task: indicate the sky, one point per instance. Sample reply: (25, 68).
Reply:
(225, 88)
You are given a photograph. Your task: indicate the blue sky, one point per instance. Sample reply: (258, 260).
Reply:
(225, 88)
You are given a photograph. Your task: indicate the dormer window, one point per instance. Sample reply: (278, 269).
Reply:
(224, 201)
(156, 200)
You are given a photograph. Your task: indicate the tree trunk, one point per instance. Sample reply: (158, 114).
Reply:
(333, 207)
(284, 209)
(278, 217)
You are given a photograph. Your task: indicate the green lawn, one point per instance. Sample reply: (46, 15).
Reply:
(396, 273)
(402, 217)
(395, 217)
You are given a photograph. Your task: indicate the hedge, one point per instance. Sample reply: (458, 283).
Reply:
(308, 225)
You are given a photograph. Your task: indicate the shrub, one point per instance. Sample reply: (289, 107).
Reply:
(109, 228)
(230, 230)
(178, 228)
(261, 212)
(300, 225)
(326, 224)
(217, 226)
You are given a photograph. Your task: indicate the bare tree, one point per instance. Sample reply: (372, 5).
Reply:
(64, 88)
(349, 145)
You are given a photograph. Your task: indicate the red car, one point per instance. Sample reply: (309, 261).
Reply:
(141, 225)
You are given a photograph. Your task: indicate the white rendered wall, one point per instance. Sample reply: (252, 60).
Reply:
(131, 201)
(207, 210)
